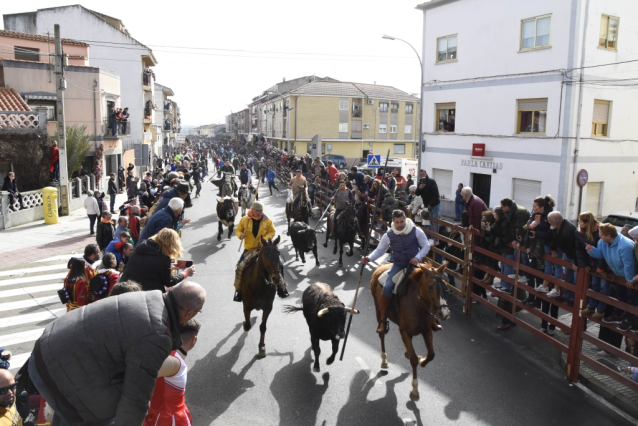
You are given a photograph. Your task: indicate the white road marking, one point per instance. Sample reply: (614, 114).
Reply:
(292, 274)
(17, 361)
(29, 303)
(35, 279)
(61, 257)
(24, 271)
(37, 317)
(366, 369)
(30, 290)
(17, 338)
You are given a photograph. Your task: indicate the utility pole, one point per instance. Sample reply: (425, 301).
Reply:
(60, 85)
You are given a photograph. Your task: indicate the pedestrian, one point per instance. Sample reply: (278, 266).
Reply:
(92, 210)
(137, 331)
(459, 204)
(105, 230)
(429, 192)
(11, 186)
(54, 162)
(271, 175)
(9, 415)
(409, 182)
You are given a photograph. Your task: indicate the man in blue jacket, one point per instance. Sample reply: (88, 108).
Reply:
(618, 252)
(271, 175)
(181, 190)
(168, 217)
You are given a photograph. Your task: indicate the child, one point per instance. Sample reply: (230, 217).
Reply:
(117, 245)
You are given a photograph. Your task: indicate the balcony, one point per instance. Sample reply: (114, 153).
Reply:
(147, 81)
(116, 130)
(356, 110)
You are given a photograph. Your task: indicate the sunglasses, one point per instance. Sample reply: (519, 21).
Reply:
(4, 390)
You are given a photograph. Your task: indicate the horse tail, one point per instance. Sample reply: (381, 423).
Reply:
(291, 309)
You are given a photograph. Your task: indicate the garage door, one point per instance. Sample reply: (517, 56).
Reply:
(524, 192)
(592, 201)
(443, 180)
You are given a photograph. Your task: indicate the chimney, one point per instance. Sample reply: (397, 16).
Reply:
(284, 79)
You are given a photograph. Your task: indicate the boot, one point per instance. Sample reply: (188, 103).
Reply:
(436, 326)
(489, 279)
(384, 326)
(237, 297)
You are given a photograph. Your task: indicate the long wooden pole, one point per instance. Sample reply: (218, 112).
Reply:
(365, 253)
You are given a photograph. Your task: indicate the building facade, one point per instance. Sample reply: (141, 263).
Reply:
(541, 92)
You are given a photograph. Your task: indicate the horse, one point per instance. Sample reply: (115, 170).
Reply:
(345, 230)
(226, 211)
(229, 187)
(246, 197)
(259, 282)
(414, 313)
(299, 209)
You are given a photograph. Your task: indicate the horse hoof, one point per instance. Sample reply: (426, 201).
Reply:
(316, 369)
(349, 254)
(303, 261)
(414, 397)
(330, 361)
(325, 245)
(334, 251)
(219, 237)
(261, 353)
(385, 365)
(246, 326)
(407, 355)
(341, 264)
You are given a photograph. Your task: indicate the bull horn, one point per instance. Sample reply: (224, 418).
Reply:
(322, 312)
(350, 310)
(319, 232)
(303, 231)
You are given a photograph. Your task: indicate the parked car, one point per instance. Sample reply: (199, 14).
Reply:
(621, 219)
(338, 160)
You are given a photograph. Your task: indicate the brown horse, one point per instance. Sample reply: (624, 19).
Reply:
(299, 209)
(417, 310)
(259, 283)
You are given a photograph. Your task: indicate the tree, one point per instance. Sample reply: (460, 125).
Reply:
(78, 144)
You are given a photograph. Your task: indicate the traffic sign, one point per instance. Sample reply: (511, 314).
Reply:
(374, 161)
(329, 147)
(583, 177)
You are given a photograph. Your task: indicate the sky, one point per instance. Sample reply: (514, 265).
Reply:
(224, 53)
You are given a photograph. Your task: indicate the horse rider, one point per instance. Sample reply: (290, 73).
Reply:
(251, 229)
(244, 175)
(227, 168)
(409, 246)
(342, 197)
(297, 183)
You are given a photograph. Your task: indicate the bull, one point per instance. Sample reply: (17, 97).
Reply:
(326, 318)
(304, 240)
(226, 212)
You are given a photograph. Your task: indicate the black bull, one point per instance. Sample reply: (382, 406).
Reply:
(304, 240)
(226, 215)
(326, 318)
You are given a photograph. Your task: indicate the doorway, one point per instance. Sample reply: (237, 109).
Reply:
(481, 186)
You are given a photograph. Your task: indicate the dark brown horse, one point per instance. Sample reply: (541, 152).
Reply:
(299, 209)
(345, 230)
(259, 283)
(417, 310)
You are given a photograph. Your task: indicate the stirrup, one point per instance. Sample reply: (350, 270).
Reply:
(386, 323)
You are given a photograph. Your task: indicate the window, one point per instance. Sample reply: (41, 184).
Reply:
(408, 129)
(50, 106)
(408, 108)
(383, 128)
(443, 178)
(446, 48)
(608, 32)
(445, 117)
(395, 108)
(393, 128)
(524, 191)
(399, 148)
(535, 32)
(343, 127)
(343, 105)
(600, 120)
(532, 116)
(26, 53)
(383, 106)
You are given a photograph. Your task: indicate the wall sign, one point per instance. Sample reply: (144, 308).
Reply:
(482, 164)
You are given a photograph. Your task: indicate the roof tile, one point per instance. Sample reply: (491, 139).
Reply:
(354, 90)
(36, 37)
(10, 100)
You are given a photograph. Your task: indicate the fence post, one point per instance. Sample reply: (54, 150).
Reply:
(470, 284)
(575, 336)
(6, 209)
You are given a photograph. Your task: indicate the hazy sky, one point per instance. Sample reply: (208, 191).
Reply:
(266, 40)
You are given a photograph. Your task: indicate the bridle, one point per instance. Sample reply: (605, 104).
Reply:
(273, 254)
(438, 286)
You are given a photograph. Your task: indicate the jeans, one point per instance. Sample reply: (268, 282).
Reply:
(272, 185)
(12, 200)
(570, 277)
(92, 219)
(113, 128)
(626, 295)
(458, 209)
(112, 201)
(601, 286)
(388, 286)
(507, 270)
(434, 212)
(55, 174)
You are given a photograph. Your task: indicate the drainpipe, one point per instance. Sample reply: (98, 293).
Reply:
(95, 85)
(580, 109)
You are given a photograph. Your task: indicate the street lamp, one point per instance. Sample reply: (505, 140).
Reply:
(387, 37)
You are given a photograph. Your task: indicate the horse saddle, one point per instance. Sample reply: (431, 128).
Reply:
(400, 279)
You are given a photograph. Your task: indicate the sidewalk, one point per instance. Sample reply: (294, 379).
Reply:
(37, 240)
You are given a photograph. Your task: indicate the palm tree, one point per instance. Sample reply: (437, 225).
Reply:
(78, 144)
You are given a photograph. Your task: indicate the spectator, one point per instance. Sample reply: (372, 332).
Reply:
(313, 188)
(134, 223)
(358, 178)
(588, 233)
(125, 119)
(317, 165)
(125, 287)
(333, 172)
(459, 204)
(474, 207)
(180, 190)
(456, 252)
(150, 263)
(92, 210)
(138, 331)
(517, 217)
(54, 162)
(563, 246)
(76, 284)
(429, 192)
(491, 243)
(105, 231)
(116, 245)
(415, 205)
(5, 357)
(127, 251)
(9, 415)
(122, 225)
(618, 252)
(113, 120)
(378, 188)
(541, 228)
(392, 184)
(91, 255)
(409, 182)
(168, 217)
(109, 261)
(11, 186)
(504, 231)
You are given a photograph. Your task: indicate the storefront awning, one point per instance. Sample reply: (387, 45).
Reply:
(39, 96)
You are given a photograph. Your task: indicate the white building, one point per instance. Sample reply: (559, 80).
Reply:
(105, 35)
(164, 135)
(507, 74)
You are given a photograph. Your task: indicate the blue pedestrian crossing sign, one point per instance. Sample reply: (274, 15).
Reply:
(374, 161)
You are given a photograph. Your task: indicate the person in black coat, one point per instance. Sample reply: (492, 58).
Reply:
(362, 219)
(105, 231)
(150, 263)
(10, 185)
(563, 245)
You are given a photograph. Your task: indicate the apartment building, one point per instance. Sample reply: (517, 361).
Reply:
(353, 119)
(164, 120)
(519, 97)
(38, 48)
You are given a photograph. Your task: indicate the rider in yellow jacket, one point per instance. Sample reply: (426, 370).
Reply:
(251, 229)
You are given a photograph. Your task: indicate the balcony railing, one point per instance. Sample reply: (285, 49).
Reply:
(356, 110)
(355, 135)
(116, 129)
(146, 78)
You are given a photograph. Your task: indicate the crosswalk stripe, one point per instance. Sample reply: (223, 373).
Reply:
(29, 303)
(54, 258)
(30, 290)
(26, 319)
(23, 271)
(23, 337)
(17, 361)
(37, 278)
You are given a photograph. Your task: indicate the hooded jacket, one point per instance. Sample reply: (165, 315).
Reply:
(151, 268)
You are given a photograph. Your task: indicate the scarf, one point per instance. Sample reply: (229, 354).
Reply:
(406, 230)
(251, 214)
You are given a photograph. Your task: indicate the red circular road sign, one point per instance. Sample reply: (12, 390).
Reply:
(583, 177)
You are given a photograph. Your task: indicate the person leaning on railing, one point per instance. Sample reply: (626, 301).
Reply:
(588, 233)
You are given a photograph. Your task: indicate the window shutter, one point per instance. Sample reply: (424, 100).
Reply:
(446, 106)
(443, 180)
(525, 191)
(604, 26)
(533, 104)
(601, 112)
(592, 200)
(542, 26)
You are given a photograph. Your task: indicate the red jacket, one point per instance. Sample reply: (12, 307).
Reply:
(475, 208)
(55, 157)
(333, 172)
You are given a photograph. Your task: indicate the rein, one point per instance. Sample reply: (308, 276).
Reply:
(439, 285)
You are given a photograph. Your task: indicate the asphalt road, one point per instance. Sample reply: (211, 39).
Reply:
(477, 377)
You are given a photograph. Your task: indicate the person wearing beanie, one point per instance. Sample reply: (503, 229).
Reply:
(251, 229)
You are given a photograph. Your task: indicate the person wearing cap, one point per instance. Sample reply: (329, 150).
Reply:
(181, 189)
(251, 229)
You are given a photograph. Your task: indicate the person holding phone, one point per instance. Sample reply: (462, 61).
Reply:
(540, 228)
